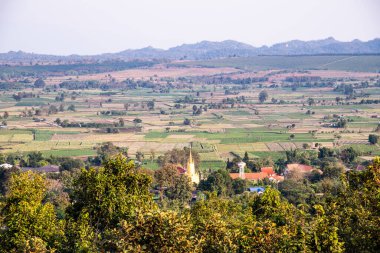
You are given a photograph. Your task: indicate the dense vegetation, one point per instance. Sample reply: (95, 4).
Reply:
(7, 71)
(111, 209)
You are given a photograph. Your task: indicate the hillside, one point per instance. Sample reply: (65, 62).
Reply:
(211, 50)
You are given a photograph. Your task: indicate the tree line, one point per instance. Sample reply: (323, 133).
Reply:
(111, 209)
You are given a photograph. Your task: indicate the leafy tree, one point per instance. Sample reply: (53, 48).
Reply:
(212, 226)
(187, 122)
(106, 151)
(180, 157)
(71, 108)
(271, 206)
(181, 190)
(332, 170)
(150, 105)
(121, 122)
(172, 184)
(310, 101)
(80, 235)
(137, 121)
(219, 182)
(30, 224)
(110, 194)
(314, 176)
(373, 139)
(34, 159)
(325, 152)
(341, 123)
(139, 156)
(246, 157)
(330, 187)
(348, 90)
(39, 83)
(6, 115)
(239, 185)
(358, 210)
(68, 163)
(291, 156)
(324, 233)
(296, 192)
(157, 231)
(52, 109)
(263, 96)
(349, 155)
(166, 176)
(5, 175)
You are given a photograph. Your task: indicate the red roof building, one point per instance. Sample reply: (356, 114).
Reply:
(266, 172)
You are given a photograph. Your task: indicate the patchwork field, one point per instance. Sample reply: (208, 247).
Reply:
(214, 108)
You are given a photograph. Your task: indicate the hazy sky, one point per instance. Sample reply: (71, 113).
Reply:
(97, 26)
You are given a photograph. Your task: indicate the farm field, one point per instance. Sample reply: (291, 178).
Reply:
(214, 108)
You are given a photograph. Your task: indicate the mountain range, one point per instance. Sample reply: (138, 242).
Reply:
(210, 50)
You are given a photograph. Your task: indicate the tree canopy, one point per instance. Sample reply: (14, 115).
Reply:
(111, 209)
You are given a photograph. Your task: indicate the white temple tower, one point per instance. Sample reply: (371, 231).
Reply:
(241, 166)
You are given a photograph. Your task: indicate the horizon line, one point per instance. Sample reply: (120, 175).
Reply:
(178, 45)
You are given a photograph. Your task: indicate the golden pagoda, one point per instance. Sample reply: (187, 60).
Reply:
(190, 170)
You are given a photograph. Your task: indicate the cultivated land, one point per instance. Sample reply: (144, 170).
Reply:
(299, 113)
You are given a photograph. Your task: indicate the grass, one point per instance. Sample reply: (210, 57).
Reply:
(69, 152)
(148, 164)
(202, 147)
(14, 131)
(155, 135)
(272, 154)
(212, 165)
(46, 135)
(364, 149)
(43, 135)
(239, 135)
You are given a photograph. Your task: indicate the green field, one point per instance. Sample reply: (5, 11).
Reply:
(69, 152)
(46, 135)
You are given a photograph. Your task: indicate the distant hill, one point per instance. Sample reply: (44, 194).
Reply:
(213, 50)
(326, 46)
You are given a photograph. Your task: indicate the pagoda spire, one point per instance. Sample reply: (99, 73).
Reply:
(190, 169)
(190, 157)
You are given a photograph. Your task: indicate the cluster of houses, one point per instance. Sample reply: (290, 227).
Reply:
(266, 172)
(189, 170)
(269, 173)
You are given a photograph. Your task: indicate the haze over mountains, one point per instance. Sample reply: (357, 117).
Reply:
(211, 50)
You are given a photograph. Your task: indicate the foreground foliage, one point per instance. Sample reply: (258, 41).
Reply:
(111, 210)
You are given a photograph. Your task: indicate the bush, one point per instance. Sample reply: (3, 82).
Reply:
(373, 139)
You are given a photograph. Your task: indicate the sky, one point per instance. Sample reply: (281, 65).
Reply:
(85, 27)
